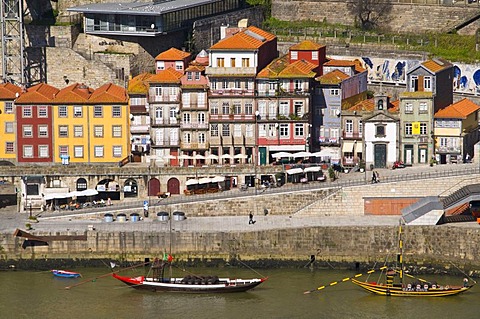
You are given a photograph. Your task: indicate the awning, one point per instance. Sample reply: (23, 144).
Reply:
(312, 169)
(282, 154)
(240, 156)
(327, 152)
(294, 171)
(204, 180)
(347, 146)
(198, 156)
(192, 181)
(57, 196)
(302, 154)
(286, 148)
(218, 179)
(212, 157)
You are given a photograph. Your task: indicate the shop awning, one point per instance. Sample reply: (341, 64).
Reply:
(348, 146)
(192, 181)
(294, 171)
(312, 169)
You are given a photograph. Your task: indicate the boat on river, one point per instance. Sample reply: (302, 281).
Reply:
(416, 287)
(65, 273)
(189, 284)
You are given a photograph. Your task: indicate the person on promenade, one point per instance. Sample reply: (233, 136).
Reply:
(250, 219)
(109, 202)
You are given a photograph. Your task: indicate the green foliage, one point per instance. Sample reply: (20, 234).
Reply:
(331, 173)
(265, 4)
(294, 117)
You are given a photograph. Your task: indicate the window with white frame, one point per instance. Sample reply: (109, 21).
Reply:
(27, 111)
(294, 55)
(335, 133)
(201, 118)
(335, 92)
(201, 99)
(213, 84)
(27, 131)
(262, 109)
(9, 147)
(116, 111)
(189, 76)
(42, 111)
(283, 129)
(297, 84)
(238, 84)
(245, 62)
(284, 108)
(186, 118)
(63, 150)
(78, 131)
(427, 83)
(360, 127)
(98, 131)
(27, 151)
(78, 151)
(413, 83)
(158, 112)
(98, 151)
(77, 111)
(43, 151)
(178, 65)
(214, 108)
(62, 111)
(63, 131)
(272, 130)
(262, 130)
(116, 131)
(225, 108)
(408, 129)
(186, 100)
(299, 130)
(197, 76)
(214, 130)
(117, 151)
(225, 129)
(422, 107)
(160, 65)
(201, 138)
(249, 130)
(9, 127)
(8, 107)
(314, 55)
(157, 91)
(299, 110)
(237, 130)
(43, 131)
(248, 108)
(237, 107)
(224, 84)
(272, 109)
(98, 111)
(349, 126)
(443, 141)
(187, 137)
(423, 128)
(408, 107)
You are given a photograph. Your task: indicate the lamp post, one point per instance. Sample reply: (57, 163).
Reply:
(257, 117)
(30, 206)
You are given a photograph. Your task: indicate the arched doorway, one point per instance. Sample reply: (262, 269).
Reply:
(130, 188)
(153, 187)
(81, 184)
(108, 188)
(173, 186)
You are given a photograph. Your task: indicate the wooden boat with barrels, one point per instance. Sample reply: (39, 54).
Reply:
(188, 284)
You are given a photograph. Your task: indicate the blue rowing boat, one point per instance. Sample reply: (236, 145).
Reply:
(65, 273)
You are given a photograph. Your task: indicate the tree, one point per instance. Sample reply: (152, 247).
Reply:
(370, 13)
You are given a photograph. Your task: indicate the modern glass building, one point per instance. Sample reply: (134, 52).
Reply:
(150, 18)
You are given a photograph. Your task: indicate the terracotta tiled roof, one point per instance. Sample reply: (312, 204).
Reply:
(73, 94)
(41, 93)
(363, 106)
(299, 69)
(306, 45)
(109, 93)
(248, 39)
(436, 65)
(172, 54)
(395, 108)
(356, 64)
(417, 95)
(275, 67)
(8, 91)
(195, 68)
(334, 77)
(458, 110)
(166, 76)
(138, 84)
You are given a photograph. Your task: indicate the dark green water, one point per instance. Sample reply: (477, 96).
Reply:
(40, 295)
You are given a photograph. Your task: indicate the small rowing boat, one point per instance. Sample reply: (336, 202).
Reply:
(65, 273)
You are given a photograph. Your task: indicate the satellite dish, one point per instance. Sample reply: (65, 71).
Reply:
(338, 113)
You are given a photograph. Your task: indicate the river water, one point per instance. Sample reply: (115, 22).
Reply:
(28, 294)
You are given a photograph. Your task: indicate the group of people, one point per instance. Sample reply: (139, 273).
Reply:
(375, 177)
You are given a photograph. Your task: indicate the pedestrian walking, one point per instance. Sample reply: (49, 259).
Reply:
(250, 219)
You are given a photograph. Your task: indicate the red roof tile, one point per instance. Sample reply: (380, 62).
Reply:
(172, 54)
(458, 110)
(436, 65)
(249, 39)
(333, 77)
(138, 84)
(166, 76)
(109, 93)
(39, 94)
(299, 69)
(306, 45)
(8, 91)
(73, 94)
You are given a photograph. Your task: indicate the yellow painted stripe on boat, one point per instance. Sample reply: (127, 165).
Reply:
(320, 288)
(333, 283)
(346, 279)
(369, 272)
(358, 275)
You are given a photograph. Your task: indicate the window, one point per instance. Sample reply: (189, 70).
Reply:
(43, 151)
(245, 62)
(349, 126)
(187, 138)
(237, 107)
(98, 131)
(380, 105)
(158, 91)
(297, 85)
(249, 130)
(294, 55)
(78, 151)
(225, 129)
(117, 131)
(284, 130)
(214, 108)
(408, 108)
(248, 108)
(9, 127)
(186, 118)
(42, 111)
(427, 83)
(423, 128)
(160, 65)
(262, 130)
(9, 147)
(298, 105)
(299, 130)
(422, 107)
(27, 131)
(77, 111)
(360, 127)
(27, 111)
(8, 107)
(443, 141)
(116, 111)
(413, 83)
(189, 76)
(201, 138)
(197, 76)
(63, 150)
(213, 84)
(214, 130)
(97, 111)
(408, 128)
(237, 130)
(272, 109)
(78, 131)
(178, 65)
(284, 108)
(43, 131)
(226, 108)
(237, 84)
(201, 118)
(232, 62)
(62, 111)
(158, 112)
(334, 92)
(27, 151)
(220, 62)
(224, 84)
(63, 131)
(98, 151)
(380, 130)
(117, 151)
(314, 55)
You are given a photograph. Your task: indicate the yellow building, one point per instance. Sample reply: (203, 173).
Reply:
(91, 126)
(8, 93)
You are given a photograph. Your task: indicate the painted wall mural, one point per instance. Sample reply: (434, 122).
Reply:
(466, 76)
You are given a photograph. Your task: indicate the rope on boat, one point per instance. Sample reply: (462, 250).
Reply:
(343, 280)
(251, 268)
(463, 273)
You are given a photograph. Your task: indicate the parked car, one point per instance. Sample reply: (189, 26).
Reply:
(398, 164)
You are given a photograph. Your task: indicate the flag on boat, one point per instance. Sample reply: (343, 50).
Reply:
(113, 265)
(167, 257)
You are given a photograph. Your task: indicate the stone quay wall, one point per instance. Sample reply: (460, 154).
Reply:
(428, 246)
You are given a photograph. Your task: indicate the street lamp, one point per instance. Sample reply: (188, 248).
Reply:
(30, 206)
(257, 117)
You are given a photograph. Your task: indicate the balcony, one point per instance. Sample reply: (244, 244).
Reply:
(328, 141)
(164, 121)
(164, 98)
(194, 146)
(230, 71)
(352, 135)
(166, 142)
(137, 129)
(194, 125)
(448, 150)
